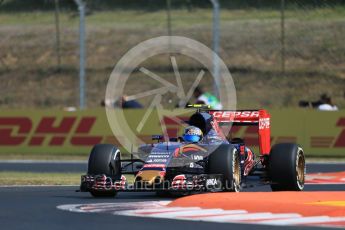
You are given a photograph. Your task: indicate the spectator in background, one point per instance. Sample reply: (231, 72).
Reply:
(206, 98)
(130, 104)
(102, 103)
(326, 104)
(122, 103)
(108, 104)
(309, 104)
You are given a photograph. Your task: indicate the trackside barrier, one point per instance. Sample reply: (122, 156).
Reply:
(54, 131)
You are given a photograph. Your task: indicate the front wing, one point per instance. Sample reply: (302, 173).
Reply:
(182, 182)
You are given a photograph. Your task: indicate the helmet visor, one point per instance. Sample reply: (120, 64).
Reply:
(191, 138)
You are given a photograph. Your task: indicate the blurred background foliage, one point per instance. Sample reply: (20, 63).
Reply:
(251, 46)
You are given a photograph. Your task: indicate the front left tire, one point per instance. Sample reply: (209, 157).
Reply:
(225, 160)
(105, 159)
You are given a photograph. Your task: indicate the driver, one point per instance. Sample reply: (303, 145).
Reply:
(192, 134)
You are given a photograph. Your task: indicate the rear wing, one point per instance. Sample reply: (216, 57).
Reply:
(260, 118)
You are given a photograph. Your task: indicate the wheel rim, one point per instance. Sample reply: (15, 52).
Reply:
(300, 169)
(236, 172)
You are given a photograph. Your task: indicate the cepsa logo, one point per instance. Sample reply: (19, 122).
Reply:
(234, 115)
(16, 131)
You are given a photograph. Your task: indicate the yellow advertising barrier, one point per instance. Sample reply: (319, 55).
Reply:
(53, 131)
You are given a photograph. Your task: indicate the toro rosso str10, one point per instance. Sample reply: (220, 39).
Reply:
(217, 162)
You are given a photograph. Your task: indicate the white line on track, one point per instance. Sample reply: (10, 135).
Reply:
(206, 214)
(198, 212)
(159, 209)
(304, 220)
(245, 216)
(162, 210)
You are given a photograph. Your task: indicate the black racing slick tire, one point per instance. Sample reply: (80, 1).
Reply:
(105, 159)
(225, 160)
(287, 167)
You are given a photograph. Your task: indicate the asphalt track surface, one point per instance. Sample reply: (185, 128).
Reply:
(35, 208)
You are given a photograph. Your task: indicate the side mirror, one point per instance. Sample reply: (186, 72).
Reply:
(173, 139)
(157, 138)
(176, 139)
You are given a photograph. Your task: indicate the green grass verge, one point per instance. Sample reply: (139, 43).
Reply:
(49, 156)
(39, 156)
(33, 178)
(29, 178)
(180, 18)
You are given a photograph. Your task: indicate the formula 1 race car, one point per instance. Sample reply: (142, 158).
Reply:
(216, 162)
